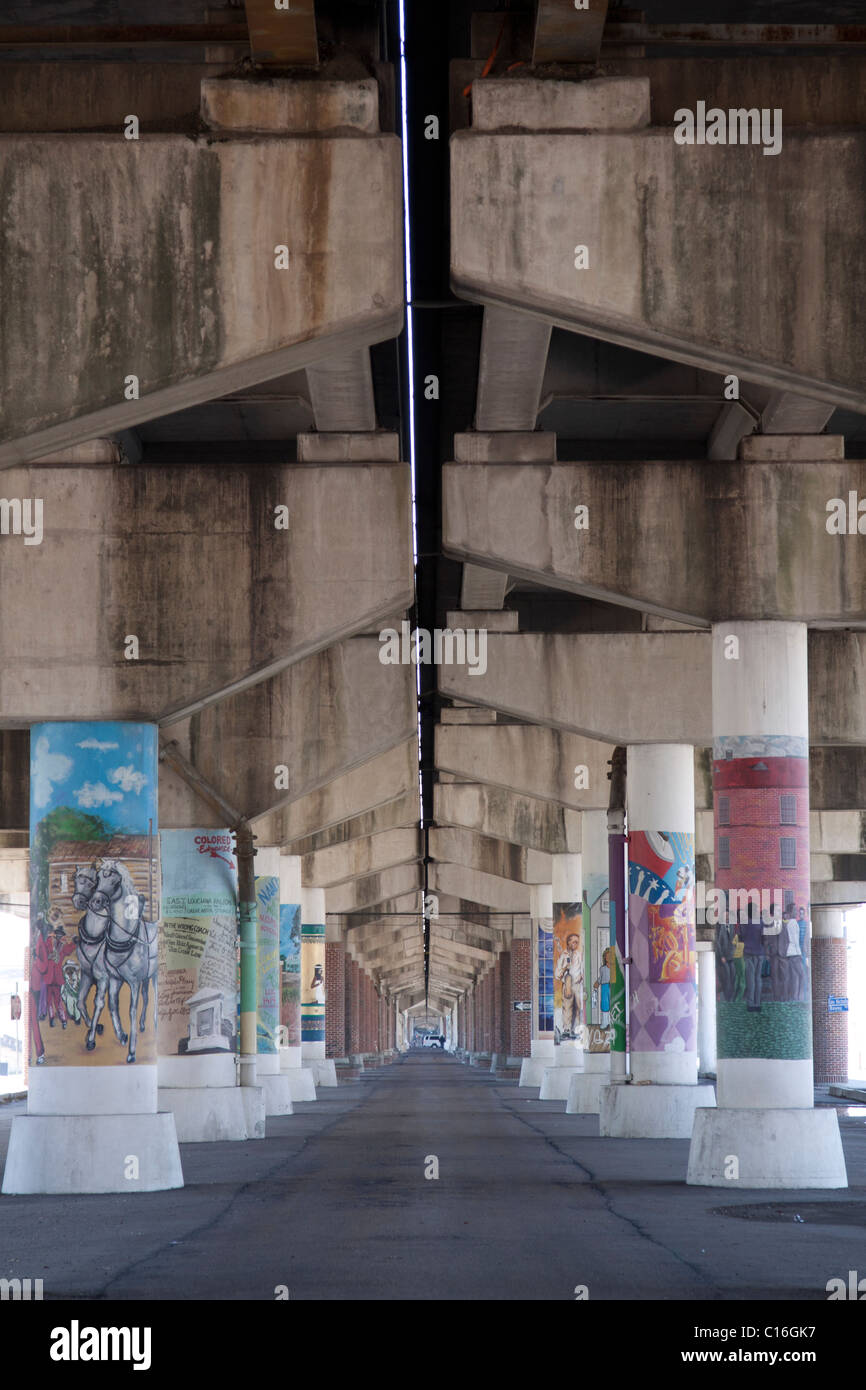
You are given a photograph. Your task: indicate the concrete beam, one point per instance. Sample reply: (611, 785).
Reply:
(662, 271)
(542, 763)
(120, 546)
(733, 424)
(482, 588)
(671, 539)
(341, 393)
(788, 413)
(361, 893)
(564, 34)
(226, 315)
(565, 681)
(514, 350)
(524, 820)
(489, 856)
(480, 888)
(325, 868)
(349, 804)
(314, 722)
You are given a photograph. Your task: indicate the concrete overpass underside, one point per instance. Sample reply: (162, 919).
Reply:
(487, 665)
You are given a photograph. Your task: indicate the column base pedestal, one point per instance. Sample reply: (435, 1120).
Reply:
(773, 1149)
(91, 1153)
(654, 1111)
(323, 1070)
(301, 1083)
(278, 1097)
(555, 1082)
(253, 1101)
(584, 1092)
(541, 1056)
(205, 1114)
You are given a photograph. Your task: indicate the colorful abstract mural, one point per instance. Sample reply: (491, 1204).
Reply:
(267, 962)
(569, 973)
(290, 974)
(662, 945)
(313, 982)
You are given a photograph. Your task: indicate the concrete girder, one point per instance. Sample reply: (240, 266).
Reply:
(681, 540)
(514, 350)
(401, 932)
(360, 893)
(664, 273)
(398, 814)
(482, 888)
(284, 37)
(325, 868)
(319, 718)
(385, 786)
(733, 424)
(620, 688)
(565, 34)
(121, 545)
(788, 413)
(341, 392)
(482, 588)
(174, 229)
(522, 820)
(527, 760)
(497, 857)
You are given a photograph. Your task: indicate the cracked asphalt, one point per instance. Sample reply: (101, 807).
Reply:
(529, 1204)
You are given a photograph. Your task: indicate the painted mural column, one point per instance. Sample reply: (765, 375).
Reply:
(278, 1100)
(300, 1078)
(765, 1132)
(584, 1092)
(662, 950)
(541, 1046)
(92, 1123)
(617, 860)
(198, 989)
(313, 987)
(569, 977)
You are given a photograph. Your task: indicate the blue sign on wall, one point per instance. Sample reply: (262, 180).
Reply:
(837, 1004)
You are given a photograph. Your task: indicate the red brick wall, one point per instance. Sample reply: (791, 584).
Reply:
(335, 999)
(520, 988)
(829, 1031)
(353, 1006)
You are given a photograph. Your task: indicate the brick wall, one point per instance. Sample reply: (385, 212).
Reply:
(353, 1007)
(335, 999)
(521, 988)
(829, 1031)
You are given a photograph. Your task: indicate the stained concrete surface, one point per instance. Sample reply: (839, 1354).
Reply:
(528, 1204)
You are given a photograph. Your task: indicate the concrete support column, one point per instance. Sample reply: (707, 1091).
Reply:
(502, 991)
(662, 951)
(314, 987)
(765, 1118)
(278, 1100)
(461, 1023)
(198, 992)
(93, 1081)
(470, 1022)
(829, 975)
(542, 1044)
(290, 962)
(569, 977)
(335, 1000)
(706, 1008)
(584, 1090)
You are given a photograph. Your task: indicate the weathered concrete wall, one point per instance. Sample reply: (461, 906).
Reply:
(190, 562)
(326, 867)
(77, 96)
(167, 253)
(319, 718)
(685, 540)
(651, 688)
(714, 255)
